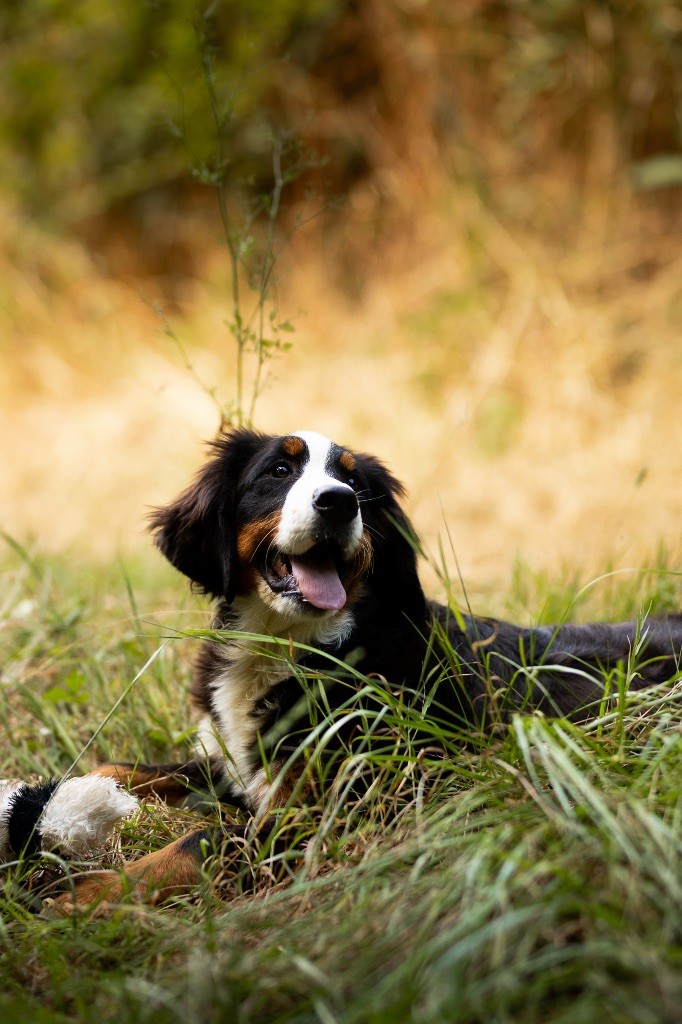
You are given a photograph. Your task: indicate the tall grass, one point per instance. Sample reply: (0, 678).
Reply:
(531, 876)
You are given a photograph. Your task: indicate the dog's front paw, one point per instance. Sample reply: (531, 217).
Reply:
(94, 893)
(168, 872)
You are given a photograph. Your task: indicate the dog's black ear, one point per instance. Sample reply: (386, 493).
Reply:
(196, 531)
(394, 541)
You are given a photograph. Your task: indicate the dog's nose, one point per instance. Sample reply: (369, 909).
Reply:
(336, 505)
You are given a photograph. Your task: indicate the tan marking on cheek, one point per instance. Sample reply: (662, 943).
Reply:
(252, 535)
(347, 461)
(293, 446)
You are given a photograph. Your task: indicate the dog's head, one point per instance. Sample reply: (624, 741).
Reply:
(297, 520)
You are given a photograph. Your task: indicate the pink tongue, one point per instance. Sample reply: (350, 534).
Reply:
(318, 581)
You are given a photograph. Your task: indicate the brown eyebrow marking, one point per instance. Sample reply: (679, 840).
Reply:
(293, 446)
(347, 461)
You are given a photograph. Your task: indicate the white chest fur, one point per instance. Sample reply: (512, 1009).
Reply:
(232, 730)
(246, 674)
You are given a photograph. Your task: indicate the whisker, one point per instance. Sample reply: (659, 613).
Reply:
(270, 534)
(366, 501)
(374, 531)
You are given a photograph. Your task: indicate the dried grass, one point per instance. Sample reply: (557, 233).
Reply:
(527, 393)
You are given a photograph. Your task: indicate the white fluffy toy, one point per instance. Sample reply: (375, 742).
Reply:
(74, 817)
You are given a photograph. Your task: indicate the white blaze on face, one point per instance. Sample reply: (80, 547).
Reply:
(299, 521)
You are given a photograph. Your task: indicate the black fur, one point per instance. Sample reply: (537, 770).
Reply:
(499, 668)
(467, 672)
(195, 532)
(399, 635)
(22, 827)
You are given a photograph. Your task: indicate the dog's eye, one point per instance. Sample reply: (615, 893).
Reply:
(352, 482)
(280, 470)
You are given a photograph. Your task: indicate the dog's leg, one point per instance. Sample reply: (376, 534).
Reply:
(176, 868)
(77, 815)
(172, 870)
(174, 783)
(171, 783)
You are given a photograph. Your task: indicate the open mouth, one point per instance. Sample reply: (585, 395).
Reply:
(313, 577)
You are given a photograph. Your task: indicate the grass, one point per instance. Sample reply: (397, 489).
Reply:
(532, 878)
(515, 359)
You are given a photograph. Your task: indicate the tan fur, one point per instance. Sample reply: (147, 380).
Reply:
(144, 783)
(152, 878)
(293, 446)
(252, 535)
(268, 791)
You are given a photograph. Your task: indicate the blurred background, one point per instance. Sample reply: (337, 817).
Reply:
(464, 218)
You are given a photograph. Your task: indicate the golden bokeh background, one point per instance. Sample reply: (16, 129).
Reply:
(497, 315)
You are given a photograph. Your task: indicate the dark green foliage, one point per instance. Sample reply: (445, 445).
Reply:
(104, 106)
(104, 102)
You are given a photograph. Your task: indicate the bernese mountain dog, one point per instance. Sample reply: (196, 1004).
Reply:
(313, 563)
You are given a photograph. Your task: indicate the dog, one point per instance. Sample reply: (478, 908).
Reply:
(306, 549)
